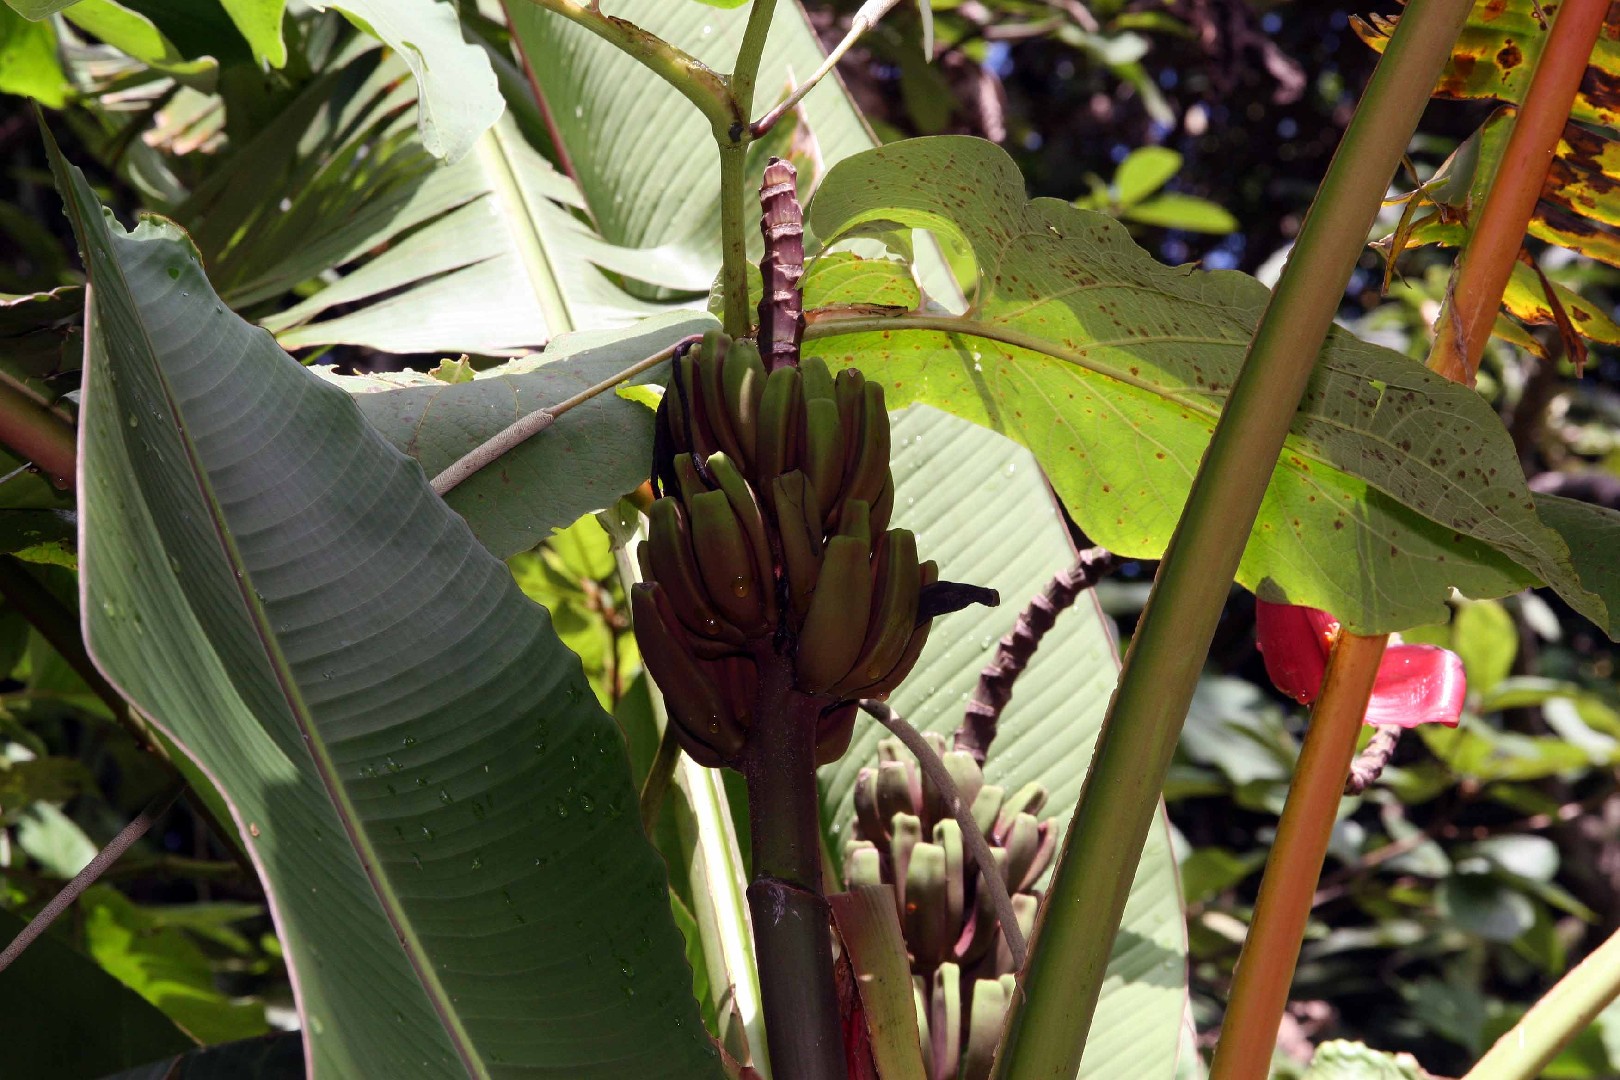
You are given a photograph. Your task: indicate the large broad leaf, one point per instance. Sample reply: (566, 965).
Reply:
(592, 454)
(980, 507)
(48, 999)
(486, 256)
(459, 97)
(1394, 485)
(644, 157)
(441, 812)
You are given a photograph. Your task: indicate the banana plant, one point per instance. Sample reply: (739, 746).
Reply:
(294, 575)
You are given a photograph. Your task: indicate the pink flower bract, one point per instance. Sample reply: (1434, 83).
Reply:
(1416, 684)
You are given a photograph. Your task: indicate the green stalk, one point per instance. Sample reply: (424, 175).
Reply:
(734, 204)
(734, 139)
(1526, 1048)
(792, 933)
(749, 55)
(700, 84)
(1047, 1026)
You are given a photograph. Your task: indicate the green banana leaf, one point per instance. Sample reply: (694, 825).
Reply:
(981, 509)
(587, 459)
(1395, 486)
(46, 1001)
(441, 813)
(644, 158)
(458, 97)
(484, 256)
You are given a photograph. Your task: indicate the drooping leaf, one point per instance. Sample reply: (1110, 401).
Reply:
(981, 509)
(133, 33)
(165, 967)
(441, 812)
(28, 62)
(1579, 209)
(1394, 486)
(1496, 54)
(458, 97)
(589, 457)
(260, 23)
(484, 256)
(47, 998)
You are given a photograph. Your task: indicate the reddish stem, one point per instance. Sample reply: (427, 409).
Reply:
(1486, 263)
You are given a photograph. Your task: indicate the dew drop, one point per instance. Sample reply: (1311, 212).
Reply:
(739, 586)
(444, 797)
(133, 422)
(586, 803)
(427, 833)
(174, 273)
(408, 741)
(562, 809)
(478, 862)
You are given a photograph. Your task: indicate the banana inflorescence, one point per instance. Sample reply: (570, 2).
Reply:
(771, 539)
(905, 837)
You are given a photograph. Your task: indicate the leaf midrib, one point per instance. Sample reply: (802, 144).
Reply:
(517, 211)
(968, 326)
(344, 809)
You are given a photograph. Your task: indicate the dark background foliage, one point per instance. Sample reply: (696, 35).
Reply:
(1458, 888)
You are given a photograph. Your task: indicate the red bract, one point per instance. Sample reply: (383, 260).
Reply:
(1416, 684)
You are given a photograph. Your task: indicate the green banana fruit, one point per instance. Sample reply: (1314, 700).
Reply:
(695, 700)
(746, 507)
(897, 578)
(848, 389)
(843, 598)
(743, 377)
(779, 409)
(929, 573)
(725, 561)
(711, 389)
(869, 468)
(823, 450)
(798, 522)
(818, 381)
(669, 561)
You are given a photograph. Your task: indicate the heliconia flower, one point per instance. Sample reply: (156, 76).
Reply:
(1416, 684)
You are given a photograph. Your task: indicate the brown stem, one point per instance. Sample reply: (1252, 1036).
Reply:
(87, 877)
(792, 933)
(36, 433)
(1369, 764)
(995, 687)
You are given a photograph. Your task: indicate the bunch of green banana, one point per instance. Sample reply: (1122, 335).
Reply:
(770, 539)
(905, 837)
